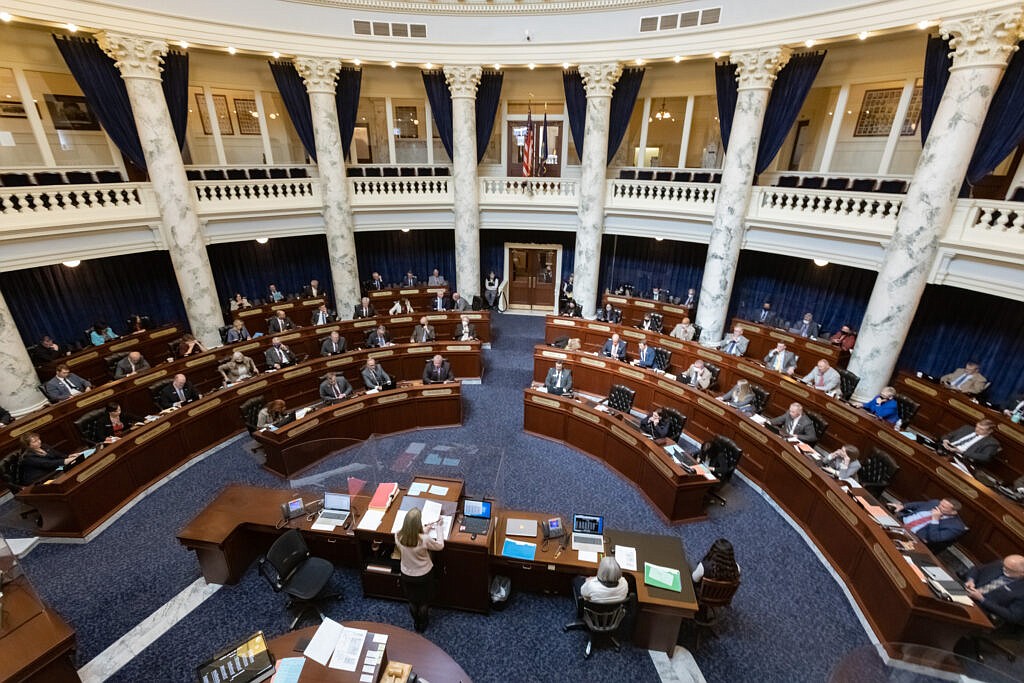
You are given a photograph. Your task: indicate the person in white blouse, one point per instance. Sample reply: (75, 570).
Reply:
(414, 542)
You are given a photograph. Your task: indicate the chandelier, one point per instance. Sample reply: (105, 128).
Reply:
(662, 114)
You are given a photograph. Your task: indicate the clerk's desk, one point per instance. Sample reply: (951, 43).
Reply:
(37, 646)
(635, 308)
(242, 522)
(899, 607)
(89, 363)
(77, 501)
(996, 523)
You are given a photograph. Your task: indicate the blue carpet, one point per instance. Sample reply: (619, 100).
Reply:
(789, 620)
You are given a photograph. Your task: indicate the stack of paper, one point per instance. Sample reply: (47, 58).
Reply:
(626, 557)
(662, 577)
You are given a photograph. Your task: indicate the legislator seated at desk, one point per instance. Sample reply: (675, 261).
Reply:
(47, 350)
(735, 344)
(571, 310)
(437, 370)
(1014, 409)
(116, 423)
(189, 346)
(998, 588)
(273, 294)
(967, 379)
(272, 415)
(766, 316)
(741, 397)
(364, 309)
(654, 425)
(615, 348)
(423, 332)
(780, 359)
(440, 302)
(279, 355)
(794, 424)
(240, 367)
(101, 334)
(374, 376)
(239, 302)
(130, 364)
(179, 392)
(697, 375)
(459, 302)
(609, 314)
(806, 327)
(649, 324)
(884, 406)
(465, 330)
(238, 332)
(559, 379)
(334, 388)
(376, 282)
(333, 345)
(936, 522)
(845, 338)
(280, 323)
(843, 462)
(37, 460)
(823, 377)
(409, 280)
(313, 290)
(436, 279)
(65, 384)
(684, 330)
(975, 444)
(644, 355)
(378, 338)
(321, 316)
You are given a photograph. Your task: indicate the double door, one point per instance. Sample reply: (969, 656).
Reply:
(533, 278)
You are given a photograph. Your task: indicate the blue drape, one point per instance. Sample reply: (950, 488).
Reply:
(623, 101)
(787, 97)
(346, 96)
(105, 91)
(1003, 129)
(488, 93)
(937, 60)
(440, 99)
(576, 104)
(289, 262)
(393, 252)
(175, 85)
(726, 89)
(62, 302)
(296, 101)
(646, 263)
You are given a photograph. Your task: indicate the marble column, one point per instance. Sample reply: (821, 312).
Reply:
(138, 60)
(599, 81)
(462, 82)
(982, 44)
(756, 71)
(319, 75)
(18, 378)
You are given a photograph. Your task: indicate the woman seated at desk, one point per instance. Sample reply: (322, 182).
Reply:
(719, 564)
(239, 302)
(741, 397)
(38, 460)
(189, 346)
(844, 462)
(654, 425)
(608, 587)
(271, 414)
(101, 334)
(116, 423)
(884, 406)
(238, 332)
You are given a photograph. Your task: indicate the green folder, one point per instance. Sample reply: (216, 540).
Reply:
(662, 577)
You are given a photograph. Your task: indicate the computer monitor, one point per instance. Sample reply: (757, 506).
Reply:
(336, 501)
(588, 524)
(476, 508)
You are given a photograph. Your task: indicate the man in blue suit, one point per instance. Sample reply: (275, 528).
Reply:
(936, 522)
(615, 348)
(644, 356)
(998, 588)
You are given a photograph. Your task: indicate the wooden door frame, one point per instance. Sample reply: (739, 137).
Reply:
(557, 248)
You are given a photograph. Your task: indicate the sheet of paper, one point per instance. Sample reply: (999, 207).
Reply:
(380, 638)
(347, 651)
(289, 669)
(366, 678)
(937, 573)
(626, 557)
(321, 645)
(588, 556)
(961, 599)
(447, 521)
(371, 520)
(321, 525)
(431, 512)
(399, 520)
(917, 570)
(436, 490)
(663, 574)
(418, 488)
(759, 419)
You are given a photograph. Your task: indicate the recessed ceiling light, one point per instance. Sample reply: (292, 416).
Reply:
(531, 66)
(71, 27)
(357, 62)
(923, 24)
(638, 61)
(565, 65)
(5, 17)
(677, 59)
(429, 65)
(262, 240)
(820, 262)
(273, 117)
(405, 229)
(275, 54)
(183, 44)
(394, 64)
(658, 239)
(809, 42)
(72, 264)
(863, 35)
(716, 54)
(231, 50)
(497, 67)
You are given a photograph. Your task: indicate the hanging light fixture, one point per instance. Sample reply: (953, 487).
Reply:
(663, 114)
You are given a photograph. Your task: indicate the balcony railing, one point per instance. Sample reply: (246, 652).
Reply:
(406, 192)
(525, 192)
(50, 205)
(218, 196)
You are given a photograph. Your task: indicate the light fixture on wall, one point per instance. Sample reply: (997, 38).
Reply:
(71, 264)
(262, 240)
(821, 262)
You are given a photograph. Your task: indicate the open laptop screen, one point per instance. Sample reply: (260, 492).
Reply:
(476, 508)
(588, 524)
(336, 501)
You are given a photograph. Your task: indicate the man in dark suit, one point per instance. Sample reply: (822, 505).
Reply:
(766, 316)
(654, 425)
(65, 384)
(321, 316)
(374, 376)
(130, 364)
(364, 309)
(690, 300)
(278, 355)
(409, 280)
(313, 290)
(379, 337)
(334, 388)
(422, 333)
(936, 522)
(280, 323)
(273, 295)
(376, 282)
(806, 327)
(179, 392)
(559, 379)
(735, 344)
(333, 345)
(572, 310)
(973, 443)
(793, 423)
(437, 370)
(658, 294)
(46, 350)
(781, 360)
(998, 588)
(465, 330)
(649, 324)
(615, 348)
(440, 303)
(644, 356)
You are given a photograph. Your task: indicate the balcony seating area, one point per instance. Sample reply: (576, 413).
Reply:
(670, 175)
(397, 171)
(886, 186)
(53, 177)
(262, 173)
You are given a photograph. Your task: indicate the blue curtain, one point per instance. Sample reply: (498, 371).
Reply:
(955, 325)
(440, 99)
(105, 91)
(393, 252)
(346, 96)
(1003, 129)
(248, 267)
(646, 263)
(488, 93)
(727, 90)
(623, 101)
(937, 61)
(576, 104)
(492, 247)
(296, 101)
(175, 84)
(787, 97)
(62, 302)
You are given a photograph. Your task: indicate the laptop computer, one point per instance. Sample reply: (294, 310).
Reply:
(476, 516)
(337, 507)
(588, 533)
(521, 527)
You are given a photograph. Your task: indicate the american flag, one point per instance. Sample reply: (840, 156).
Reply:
(528, 146)
(542, 165)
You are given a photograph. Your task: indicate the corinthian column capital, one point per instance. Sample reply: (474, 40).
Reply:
(463, 80)
(318, 73)
(600, 79)
(983, 39)
(757, 69)
(134, 56)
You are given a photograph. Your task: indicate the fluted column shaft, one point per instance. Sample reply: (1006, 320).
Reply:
(599, 81)
(982, 45)
(756, 71)
(319, 75)
(18, 378)
(139, 61)
(462, 83)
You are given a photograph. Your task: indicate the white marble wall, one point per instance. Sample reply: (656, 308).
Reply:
(18, 378)
(463, 82)
(139, 60)
(982, 44)
(319, 74)
(756, 72)
(599, 80)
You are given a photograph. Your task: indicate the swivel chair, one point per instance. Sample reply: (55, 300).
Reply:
(877, 472)
(156, 388)
(847, 384)
(10, 471)
(820, 425)
(250, 412)
(676, 422)
(761, 398)
(722, 456)
(662, 359)
(657, 322)
(173, 347)
(112, 360)
(90, 426)
(289, 568)
(697, 329)
(601, 620)
(906, 409)
(621, 398)
(712, 595)
(714, 370)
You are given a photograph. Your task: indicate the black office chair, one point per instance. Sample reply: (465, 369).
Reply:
(657, 322)
(715, 371)
(90, 426)
(877, 472)
(712, 596)
(697, 329)
(237, 174)
(788, 181)
(761, 398)
(214, 174)
(10, 471)
(81, 177)
(49, 178)
(820, 424)
(156, 388)
(837, 183)
(289, 568)
(676, 422)
(113, 359)
(892, 186)
(621, 398)
(250, 412)
(193, 174)
(906, 409)
(812, 183)
(863, 185)
(847, 383)
(722, 456)
(280, 173)
(257, 174)
(223, 332)
(173, 346)
(627, 174)
(297, 172)
(601, 620)
(662, 359)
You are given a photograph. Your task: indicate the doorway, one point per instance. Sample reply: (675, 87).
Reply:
(533, 274)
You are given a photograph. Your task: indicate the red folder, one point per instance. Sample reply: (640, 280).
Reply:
(383, 496)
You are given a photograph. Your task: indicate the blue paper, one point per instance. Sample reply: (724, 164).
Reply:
(433, 459)
(519, 550)
(289, 669)
(451, 462)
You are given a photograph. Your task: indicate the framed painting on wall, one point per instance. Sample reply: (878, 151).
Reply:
(220, 106)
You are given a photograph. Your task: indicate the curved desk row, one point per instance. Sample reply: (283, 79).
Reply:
(899, 607)
(299, 310)
(997, 523)
(676, 494)
(89, 363)
(77, 501)
(763, 338)
(634, 309)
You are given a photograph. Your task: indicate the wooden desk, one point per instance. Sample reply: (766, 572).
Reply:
(674, 493)
(89, 363)
(299, 310)
(421, 298)
(428, 660)
(634, 309)
(809, 351)
(38, 646)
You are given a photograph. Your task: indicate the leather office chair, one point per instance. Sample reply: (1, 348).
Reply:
(788, 181)
(279, 173)
(662, 359)
(906, 409)
(257, 174)
(712, 596)
(657, 322)
(697, 329)
(722, 456)
(837, 183)
(193, 174)
(250, 412)
(10, 471)
(237, 174)
(297, 172)
(223, 332)
(156, 388)
(42, 390)
(820, 424)
(113, 359)
(81, 178)
(715, 371)
(172, 348)
(675, 420)
(847, 383)
(621, 398)
(863, 185)
(877, 472)
(761, 398)
(289, 568)
(90, 426)
(601, 620)
(812, 183)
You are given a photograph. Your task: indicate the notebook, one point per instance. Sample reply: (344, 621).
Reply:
(476, 516)
(588, 533)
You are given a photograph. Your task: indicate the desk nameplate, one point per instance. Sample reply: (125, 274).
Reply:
(592, 362)
(674, 345)
(252, 388)
(616, 300)
(72, 362)
(31, 425)
(779, 335)
(709, 355)
(922, 387)
(298, 372)
(672, 387)
(458, 347)
(251, 346)
(895, 442)
(419, 350)
(170, 331)
(152, 433)
(394, 398)
(753, 432)
(546, 402)
(840, 507)
(562, 322)
(796, 465)
(364, 323)
(586, 415)
(962, 487)
(676, 309)
(378, 354)
(888, 566)
(206, 405)
(290, 337)
(598, 327)
(1012, 432)
(201, 360)
(554, 354)
(841, 412)
(91, 398)
(1015, 526)
(628, 438)
(96, 468)
(752, 371)
(708, 405)
(965, 408)
(122, 345)
(644, 304)
(149, 377)
(817, 348)
(792, 388)
(304, 427)
(664, 469)
(629, 372)
(437, 392)
(404, 319)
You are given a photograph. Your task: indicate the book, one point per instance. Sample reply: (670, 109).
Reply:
(383, 496)
(662, 577)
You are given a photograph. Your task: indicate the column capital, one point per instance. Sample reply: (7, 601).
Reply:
(318, 73)
(983, 39)
(463, 80)
(757, 69)
(600, 79)
(134, 56)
